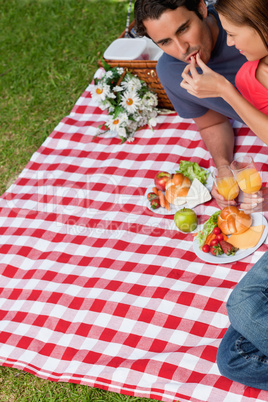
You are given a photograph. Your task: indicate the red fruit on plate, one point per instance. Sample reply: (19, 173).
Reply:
(217, 230)
(151, 196)
(228, 248)
(161, 179)
(216, 250)
(155, 203)
(213, 242)
(220, 237)
(206, 248)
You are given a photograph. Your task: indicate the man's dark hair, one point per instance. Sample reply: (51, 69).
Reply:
(153, 9)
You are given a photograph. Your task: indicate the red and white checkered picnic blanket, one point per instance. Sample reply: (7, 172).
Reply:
(97, 289)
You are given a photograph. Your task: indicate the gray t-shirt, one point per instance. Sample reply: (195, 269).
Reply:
(224, 60)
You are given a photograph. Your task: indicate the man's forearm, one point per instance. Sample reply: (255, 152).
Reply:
(218, 136)
(219, 141)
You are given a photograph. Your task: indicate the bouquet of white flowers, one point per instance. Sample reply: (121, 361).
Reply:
(128, 100)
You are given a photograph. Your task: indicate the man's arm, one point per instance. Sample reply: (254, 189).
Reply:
(218, 136)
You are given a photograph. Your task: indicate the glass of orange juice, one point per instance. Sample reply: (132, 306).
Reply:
(225, 182)
(246, 174)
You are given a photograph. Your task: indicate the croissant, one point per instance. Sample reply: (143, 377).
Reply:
(177, 189)
(234, 221)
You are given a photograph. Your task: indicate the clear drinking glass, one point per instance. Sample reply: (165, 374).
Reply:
(246, 174)
(225, 182)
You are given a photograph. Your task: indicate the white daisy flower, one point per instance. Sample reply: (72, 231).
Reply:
(131, 83)
(99, 92)
(130, 101)
(118, 89)
(120, 70)
(127, 112)
(142, 121)
(109, 74)
(123, 117)
(115, 124)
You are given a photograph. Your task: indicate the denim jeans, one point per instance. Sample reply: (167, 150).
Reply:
(243, 353)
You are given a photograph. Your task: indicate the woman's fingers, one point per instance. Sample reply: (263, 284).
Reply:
(193, 69)
(185, 74)
(201, 64)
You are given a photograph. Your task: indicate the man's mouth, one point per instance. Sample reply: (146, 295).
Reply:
(188, 59)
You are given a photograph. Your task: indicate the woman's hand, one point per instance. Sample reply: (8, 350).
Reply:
(257, 202)
(206, 85)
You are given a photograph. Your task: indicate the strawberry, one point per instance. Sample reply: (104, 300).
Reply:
(228, 248)
(216, 250)
(155, 203)
(151, 196)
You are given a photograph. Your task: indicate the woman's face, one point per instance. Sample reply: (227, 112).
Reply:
(245, 39)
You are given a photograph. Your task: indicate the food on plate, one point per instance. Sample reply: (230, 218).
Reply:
(192, 170)
(217, 243)
(186, 220)
(157, 199)
(151, 196)
(228, 248)
(163, 200)
(215, 236)
(161, 179)
(198, 194)
(216, 230)
(155, 203)
(177, 189)
(206, 248)
(233, 220)
(216, 249)
(219, 247)
(208, 227)
(250, 238)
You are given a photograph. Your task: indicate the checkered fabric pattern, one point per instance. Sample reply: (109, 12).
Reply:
(95, 288)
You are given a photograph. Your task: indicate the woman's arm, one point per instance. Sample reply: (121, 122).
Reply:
(210, 85)
(257, 202)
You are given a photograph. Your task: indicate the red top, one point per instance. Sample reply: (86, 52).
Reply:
(250, 87)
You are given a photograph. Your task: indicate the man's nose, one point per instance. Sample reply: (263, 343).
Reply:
(182, 46)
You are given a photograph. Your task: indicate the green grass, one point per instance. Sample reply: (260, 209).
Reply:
(49, 53)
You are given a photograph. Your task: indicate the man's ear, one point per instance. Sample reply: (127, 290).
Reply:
(202, 8)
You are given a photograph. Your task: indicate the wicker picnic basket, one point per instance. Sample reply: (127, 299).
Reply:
(145, 70)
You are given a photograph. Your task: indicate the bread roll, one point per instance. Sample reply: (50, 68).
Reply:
(177, 189)
(234, 221)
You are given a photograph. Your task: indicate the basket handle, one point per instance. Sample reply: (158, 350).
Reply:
(128, 18)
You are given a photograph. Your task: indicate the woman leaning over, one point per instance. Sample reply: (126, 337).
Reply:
(246, 24)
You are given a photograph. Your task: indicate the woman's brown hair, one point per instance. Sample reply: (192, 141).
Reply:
(253, 13)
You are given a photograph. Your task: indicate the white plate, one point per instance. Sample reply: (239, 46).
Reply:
(175, 208)
(257, 219)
